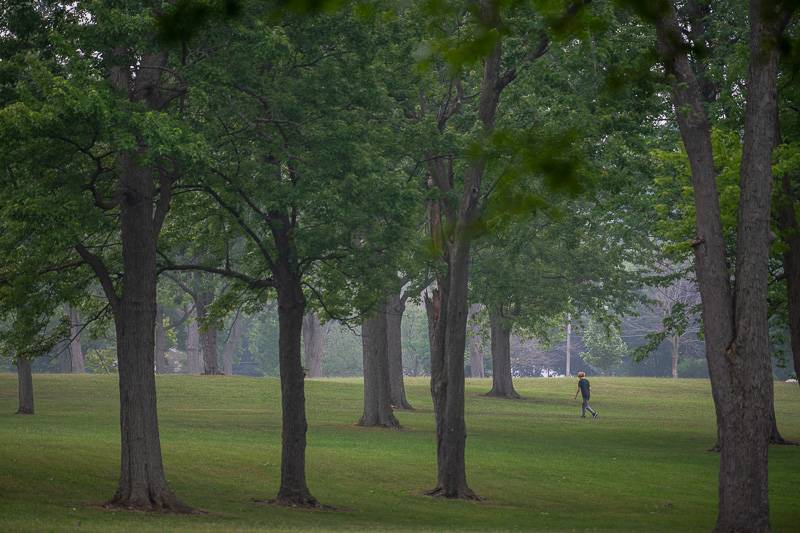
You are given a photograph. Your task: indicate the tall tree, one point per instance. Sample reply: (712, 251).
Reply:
(734, 314)
(311, 193)
(90, 128)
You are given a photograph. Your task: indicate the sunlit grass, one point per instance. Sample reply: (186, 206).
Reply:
(641, 467)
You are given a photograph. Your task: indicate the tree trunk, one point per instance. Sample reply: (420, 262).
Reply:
(394, 340)
(291, 309)
(77, 365)
(25, 386)
(434, 305)
(231, 344)
(160, 350)
(377, 393)
(790, 231)
(674, 342)
(313, 344)
(737, 346)
(142, 483)
(502, 384)
(64, 357)
(193, 361)
(475, 344)
(208, 334)
(569, 343)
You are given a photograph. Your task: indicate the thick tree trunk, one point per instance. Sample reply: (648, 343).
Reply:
(234, 337)
(737, 346)
(142, 483)
(313, 344)
(674, 342)
(77, 365)
(394, 322)
(194, 363)
(475, 344)
(208, 334)
(160, 349)
(291, 309)
(377, 393)
(502, 384)
(24, 386)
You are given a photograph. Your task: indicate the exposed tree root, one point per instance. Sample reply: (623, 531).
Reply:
(513, 395)
(387, 424)
(161, 504)
(300, 502)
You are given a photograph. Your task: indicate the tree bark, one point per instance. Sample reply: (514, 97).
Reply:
(377, 393)
(737, 346)
(208, 333)
(313, 344)
(234, 337)
(160, 349)
(25, 386)
(77, 365)
(291, 309)
(475, 344)
(194, 363)
(502, 383)
(394, 322)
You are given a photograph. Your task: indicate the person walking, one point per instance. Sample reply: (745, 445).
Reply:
(585, 389)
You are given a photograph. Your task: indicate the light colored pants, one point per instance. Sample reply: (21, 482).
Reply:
(586, 407)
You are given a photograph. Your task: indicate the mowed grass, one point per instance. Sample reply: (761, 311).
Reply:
(642, 466)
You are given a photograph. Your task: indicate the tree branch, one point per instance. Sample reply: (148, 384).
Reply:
(100, 270)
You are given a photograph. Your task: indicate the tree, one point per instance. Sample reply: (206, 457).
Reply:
(94, 130)
(307, 191)
(734, 315)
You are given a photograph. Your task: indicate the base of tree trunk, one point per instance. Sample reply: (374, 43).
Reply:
(391, 423)
(215, 373)
(404, 406)
(778, 440)
(24, 411)
(513, 395)
(463, 493)
(302, 501)
(166, 503)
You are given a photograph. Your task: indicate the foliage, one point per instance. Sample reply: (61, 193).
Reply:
(604, 346)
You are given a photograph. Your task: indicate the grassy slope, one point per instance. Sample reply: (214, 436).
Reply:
(641, 466)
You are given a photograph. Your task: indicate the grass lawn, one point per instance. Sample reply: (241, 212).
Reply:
(642, 466)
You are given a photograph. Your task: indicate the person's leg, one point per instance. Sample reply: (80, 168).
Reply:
(589, 407)
(583, 407)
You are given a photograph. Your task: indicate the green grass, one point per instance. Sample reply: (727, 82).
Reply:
(641, 467)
